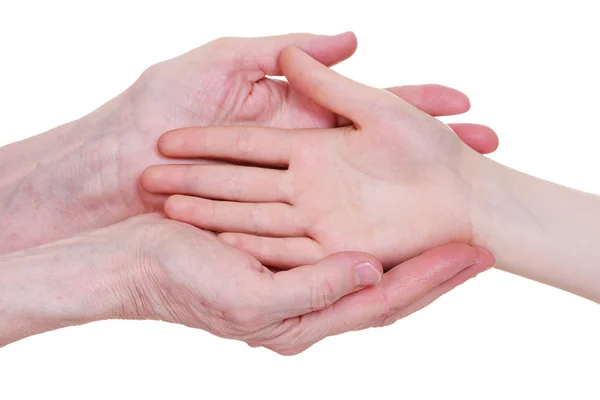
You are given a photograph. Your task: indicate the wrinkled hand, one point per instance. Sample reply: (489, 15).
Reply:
(225, 83)
(190, 277)
(396, 183)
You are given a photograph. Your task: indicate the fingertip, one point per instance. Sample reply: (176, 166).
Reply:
(171, 143)
(485, 258)
(353, 258)
(463, 103)
(347, 34)
(149, 178)
(164, 143)
(174, 205)
(493, 141)
(480, 138)
(485, 138)
(453, 101)
(349, 39)
(455, 253)
(286, 57)
(330, 50)
(230, 238)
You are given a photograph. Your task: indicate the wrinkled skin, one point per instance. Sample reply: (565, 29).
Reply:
(190, 277)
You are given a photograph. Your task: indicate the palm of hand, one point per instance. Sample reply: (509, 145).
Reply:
(208, 86)
(375, 192)
(368, 189)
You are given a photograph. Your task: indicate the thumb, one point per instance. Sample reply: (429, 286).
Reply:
(263, 53)
(315, 287)
(360, 103)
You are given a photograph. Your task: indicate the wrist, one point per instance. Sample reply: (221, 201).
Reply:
(66, 283)
(488, 194)
(66, 179)
(502, 219)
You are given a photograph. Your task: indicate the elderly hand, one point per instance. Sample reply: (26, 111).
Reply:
(149, 267)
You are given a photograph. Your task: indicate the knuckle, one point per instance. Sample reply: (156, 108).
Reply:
(256, 217)
(225, 42)
(172, 207)
(322, 295)
(188, 179)
(289, 338)
(235, 182)
(285, 189)
(389, 317)
(243, 143)
(387, 311)
(151, 72)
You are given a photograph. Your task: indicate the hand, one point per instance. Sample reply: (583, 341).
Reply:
(91, 166)
(225, 83)
(149, 267)
(396, 183)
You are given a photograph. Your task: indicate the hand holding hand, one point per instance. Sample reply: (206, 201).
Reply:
(149, 267)
(201, 282)
(394, 184)
(91, 166)
(225, 83)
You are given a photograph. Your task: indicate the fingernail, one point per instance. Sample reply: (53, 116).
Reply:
(366, 274)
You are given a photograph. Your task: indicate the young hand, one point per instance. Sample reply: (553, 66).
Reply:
(394, 184)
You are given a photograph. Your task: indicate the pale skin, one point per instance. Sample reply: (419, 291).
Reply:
(392, 184)
(75, 248)
(149, 267)
(85, 174)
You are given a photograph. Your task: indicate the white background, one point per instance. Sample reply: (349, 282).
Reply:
(531, 70)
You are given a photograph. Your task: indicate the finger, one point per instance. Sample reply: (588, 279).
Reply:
(281, 253)
(412, 280)
(222, 182)
(399, 288)
(438, 100)
(480, 138)
(265, 146)
(343, 96)
(439, 291)
(314, 287)
(264, 219)
(419, 304)
(262, 53)
(435, 100)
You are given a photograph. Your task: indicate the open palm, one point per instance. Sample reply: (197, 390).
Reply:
(226, 82)
(393, 184)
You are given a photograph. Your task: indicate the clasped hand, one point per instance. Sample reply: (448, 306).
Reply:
(369, 182)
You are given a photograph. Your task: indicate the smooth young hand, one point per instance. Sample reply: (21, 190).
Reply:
(394, 184)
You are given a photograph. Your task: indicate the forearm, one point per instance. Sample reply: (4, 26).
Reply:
(63, 181)
(71, 282)
(542, 231)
